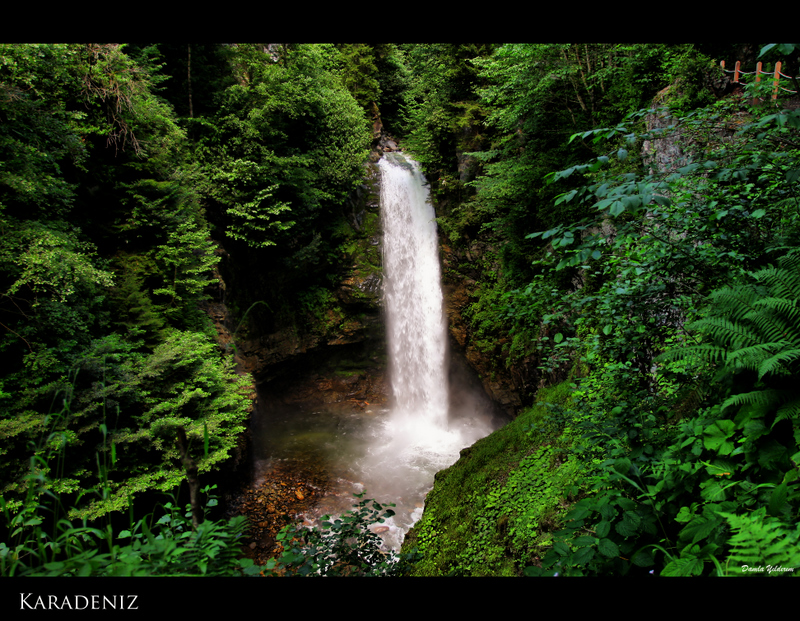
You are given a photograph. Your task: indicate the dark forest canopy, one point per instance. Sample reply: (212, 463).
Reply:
(630, 217)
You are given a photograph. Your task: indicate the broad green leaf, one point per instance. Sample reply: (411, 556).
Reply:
(550, 233)
(632, 518)
(583, 556)
(608, 512)
(566, 197)
(699, 528)
(643, 558)
(608, 548)
(561, 548)
(584, 541)
(683, 567)
(622, 465)
(766, 49)
(715, 438)
(577, 513)
(778, 500)
(712, 491)
(626, 504)
(625, 529)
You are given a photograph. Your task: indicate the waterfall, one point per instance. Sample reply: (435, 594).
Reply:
(394, 453)
(420, 436)
(416, 326)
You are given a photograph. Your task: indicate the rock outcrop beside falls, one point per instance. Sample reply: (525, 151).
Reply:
(350, 313)
(505, 387)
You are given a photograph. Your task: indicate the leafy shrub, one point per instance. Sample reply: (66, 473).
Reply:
(344, 546)
(167, 546)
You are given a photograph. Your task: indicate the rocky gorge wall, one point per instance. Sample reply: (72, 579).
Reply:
(505, 386)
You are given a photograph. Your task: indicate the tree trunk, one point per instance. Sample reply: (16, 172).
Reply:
(189, 76)
(191, 477)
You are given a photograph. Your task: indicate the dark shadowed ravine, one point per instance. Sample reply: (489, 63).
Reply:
(384, 420)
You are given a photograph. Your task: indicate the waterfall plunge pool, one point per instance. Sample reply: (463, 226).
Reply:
(367, 449)
(391, 451)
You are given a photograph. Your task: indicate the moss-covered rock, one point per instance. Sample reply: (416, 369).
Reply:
(493, 512)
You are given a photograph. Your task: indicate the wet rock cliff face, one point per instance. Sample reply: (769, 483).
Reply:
(505, 387)
(348, 313)
(332, 351)
(351, 320)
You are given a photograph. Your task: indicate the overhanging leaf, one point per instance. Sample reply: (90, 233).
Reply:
(608, 548)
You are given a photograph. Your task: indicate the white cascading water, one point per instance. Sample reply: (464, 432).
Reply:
(416, 327)
(393, 455)
(417, 440)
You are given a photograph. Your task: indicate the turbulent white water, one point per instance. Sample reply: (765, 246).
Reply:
(417, 439)
(416, 327)
(393, 454)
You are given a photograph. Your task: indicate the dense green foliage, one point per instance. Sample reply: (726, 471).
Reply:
(105, 254)
(499, 504)
(287, 142)
(342, 546)
(652, 262)
(629, 231)
(114, 211)
(167, 546)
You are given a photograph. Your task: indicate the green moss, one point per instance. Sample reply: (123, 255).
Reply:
(493, 511)
(344, 373)
(360, 250)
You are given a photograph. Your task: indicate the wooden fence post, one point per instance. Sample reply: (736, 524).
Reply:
(758, 79)
(759, 71)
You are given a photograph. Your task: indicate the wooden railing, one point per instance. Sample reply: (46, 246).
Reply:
(777, 75)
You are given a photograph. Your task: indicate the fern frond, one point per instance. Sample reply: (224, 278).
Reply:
(777, 363)
(791, 260)
(767, 398)
(703, 352)
(787, 308)
(761, 541)
(790, 410)
(770, 325)
(736, 302)
(727, 332)
(752, 357)
(756, 326)
(781, 282)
